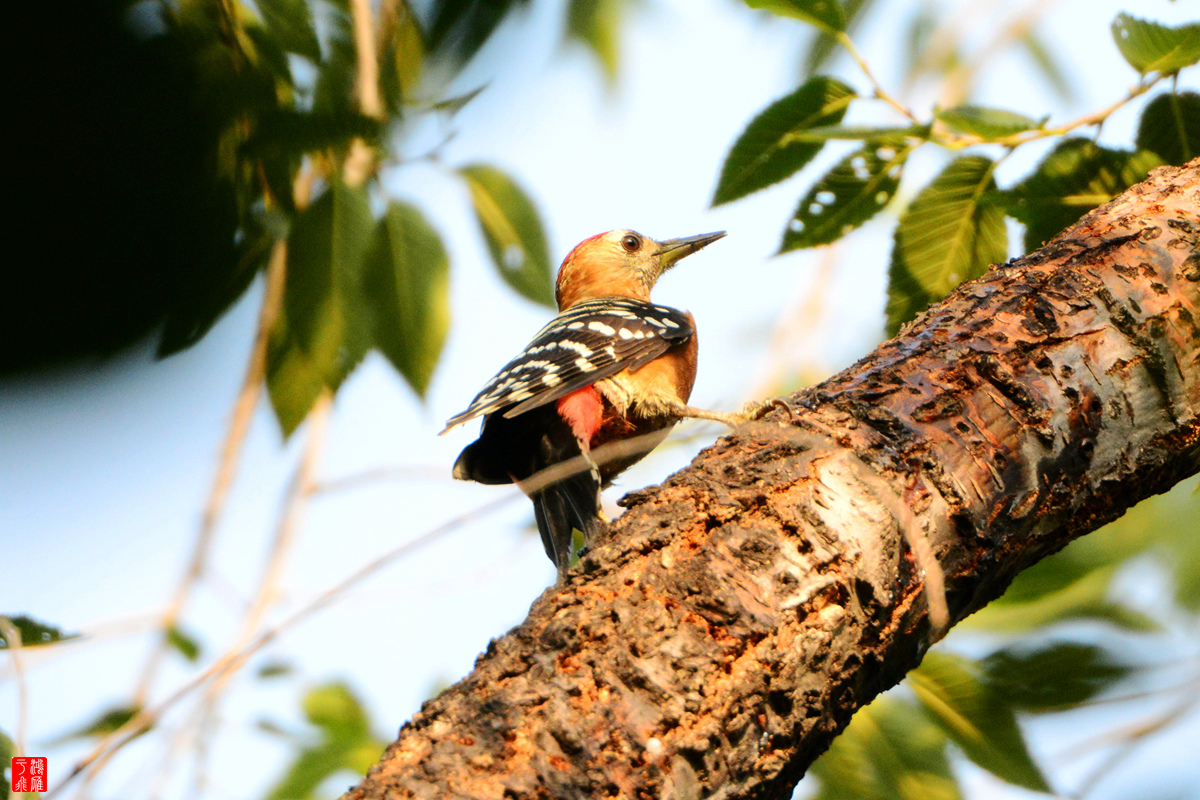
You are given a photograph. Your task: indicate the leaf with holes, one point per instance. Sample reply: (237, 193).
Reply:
(950, 233)
(1073, 178)
(976, 717)
(890, 750)
(1170, 127)
(513, 232)
(827, 15)
(847, 196)
(988, 123)
(409, 287)
(34, 633)
(769, 151)
(1151, 47)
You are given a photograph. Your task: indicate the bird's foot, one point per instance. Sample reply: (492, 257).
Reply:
(757, 409)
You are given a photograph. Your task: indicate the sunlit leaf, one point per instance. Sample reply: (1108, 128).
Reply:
(950, 233)
(401, 52)
(1170, 127)
(410, 290)
(513, 232)
(870, 134)
(294, 380)
(768, 150)
(825, 14)
(978, 718)
(855, 190)
(1152, 47)
(989, 123)
(1053, 677)
(183, 643)
(34, 633)
(1075, 177)
(890, 751)
(292, 24)
(597, 25)
(337, 711)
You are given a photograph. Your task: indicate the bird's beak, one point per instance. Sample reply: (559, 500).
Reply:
(672, 250)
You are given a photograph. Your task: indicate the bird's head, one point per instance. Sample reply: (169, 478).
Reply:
(621, 264)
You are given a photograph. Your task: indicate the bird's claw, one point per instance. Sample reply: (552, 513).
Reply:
(757, 409)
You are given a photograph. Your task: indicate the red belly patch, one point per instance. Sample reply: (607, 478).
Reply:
(583, 411)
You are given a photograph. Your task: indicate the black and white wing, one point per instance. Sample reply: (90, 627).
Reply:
(584, 344)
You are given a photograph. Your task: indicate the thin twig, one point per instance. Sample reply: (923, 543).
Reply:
(234, 660)
(880, 92)
(379, 474)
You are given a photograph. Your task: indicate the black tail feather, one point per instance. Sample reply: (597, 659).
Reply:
(562, 508)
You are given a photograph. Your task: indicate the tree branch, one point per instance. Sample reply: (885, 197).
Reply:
(724, 630)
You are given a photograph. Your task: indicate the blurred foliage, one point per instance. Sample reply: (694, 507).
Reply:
(32, 632)
(949, 231)
(953, 228)
(340, 740)
(7, 751)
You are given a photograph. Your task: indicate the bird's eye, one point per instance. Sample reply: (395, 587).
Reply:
(631, 243)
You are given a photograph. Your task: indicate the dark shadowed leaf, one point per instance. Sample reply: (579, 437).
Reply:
(989, 123)
(458, 28)
(825, 43)
(890, 751)
(768, 150)
(1170, 127)
(597, 25)
(950, 233)
(409, 287)
(183, 643)
(1151, 47)
(979, 719)
(1052, 677)
(1075, 177)
(513, 232)
(334, 89)
(825, 14)
(34, 633)
(295, 133)
(847, 196)
(292, 24)
(401, 52)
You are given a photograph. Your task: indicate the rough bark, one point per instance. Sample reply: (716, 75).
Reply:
(728, 625)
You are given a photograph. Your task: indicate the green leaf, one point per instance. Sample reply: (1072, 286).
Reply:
(292, 24)
(769, 151)
(513, 232)
(294, 380)
(458, 28)
(401, 52)
(34, 633)
(988, 123)
(847, 196)
(334, 92)
(273, 669)
(825, 43)
(890, 751)
(453, 105)
(1170, 127)
(920, 30)
(1073, 178)
(409, 280)
(1151, 47)
(827, 15)
(950, 233)
(1052, 677)
(979, 719)
(1083, 598)
(186, 645)
(871, 134)
(296, 133)
(597, 25)
(7, 751)
(107, 722)
(335, 709)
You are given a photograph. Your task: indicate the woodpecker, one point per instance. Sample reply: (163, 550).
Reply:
(612, 367)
